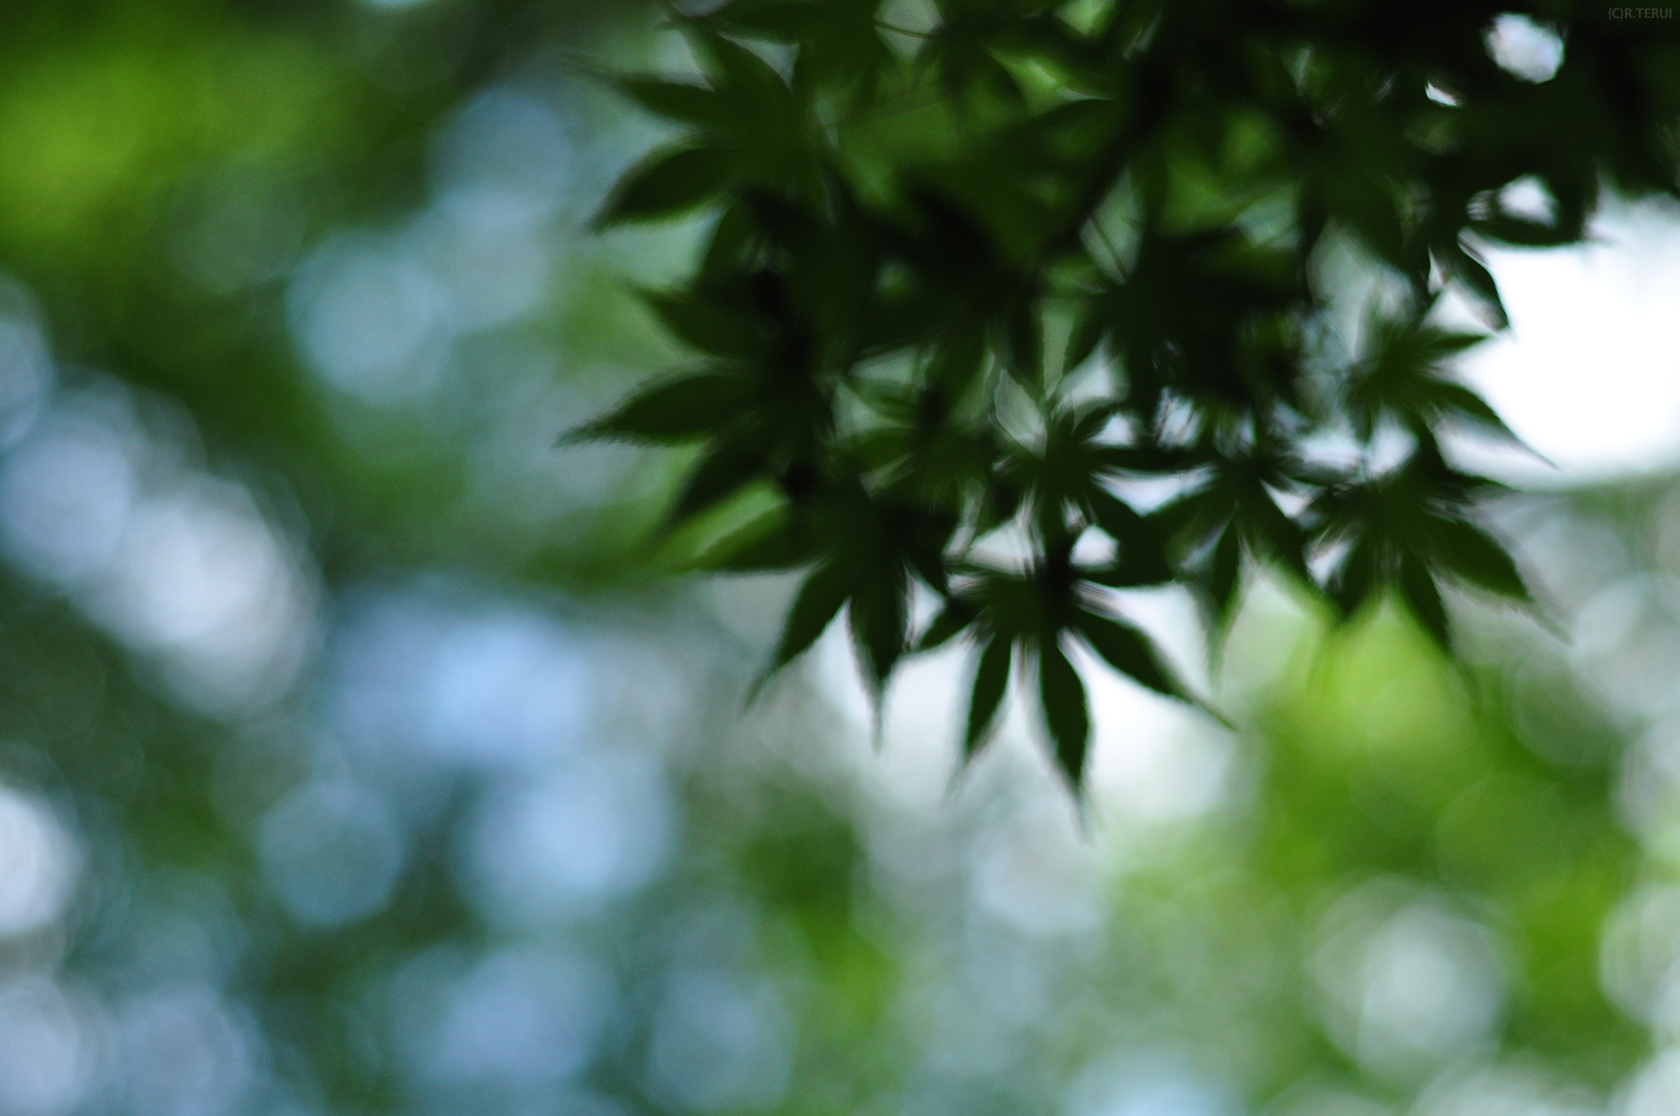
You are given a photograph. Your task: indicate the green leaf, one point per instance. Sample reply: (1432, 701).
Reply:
(991, 681)
(705, 324)
(1066, 714)
(722, 470)
(675, 100)
(1225, 574)
(1142, 558)
(819, 601)
(1470, 553)
(1404, 375)
(731, 245)
(1083, 341)
(668, 183)
(1355, 578)
(954, 619)
(957, 362)
(1131, 653)
(671, 411)
(1455, 401)
(736, 72)
(763, 546)
(878, 620)
(722, 537)
(1024, 345)
(1423, 598)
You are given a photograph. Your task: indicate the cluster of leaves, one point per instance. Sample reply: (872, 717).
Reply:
(969, 281)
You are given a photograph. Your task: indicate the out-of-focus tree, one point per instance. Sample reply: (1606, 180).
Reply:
(359, 754)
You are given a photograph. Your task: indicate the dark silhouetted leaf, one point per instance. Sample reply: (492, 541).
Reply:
(818, 602)
(1423, 598)
(681, 101)
(907, 219)
(878, 620)
(991, 682)
(1066, 714)
(1131, 653)
(668, 184)
(672, 411)
(1468, 552)
(954, 619)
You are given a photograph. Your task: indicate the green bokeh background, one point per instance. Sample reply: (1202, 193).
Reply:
(1403, 886)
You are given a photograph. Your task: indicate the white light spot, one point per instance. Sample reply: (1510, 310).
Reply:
(1512, 1089)
(1410, 989)
(1038, 873)
(65, 496)
(46, 1049)
(38, 865)
(510, 686)
(183, 1054)
(488, 270)
(504, 161)
(1155, 761)
(1528, 197)
(1146, 1083)
(26, 372)
(332, 853)
(1655, 1089)
(1440, 96)
(1429, 984)
(1589, 374)
(1626, 642)
(519, 1018)
(370, 320)
(1163, 1098)
(1152, 765)
(488, 689)
(719, 1045)
(1640, 949)
(595, 830)
(1524, 48)
(204, 580)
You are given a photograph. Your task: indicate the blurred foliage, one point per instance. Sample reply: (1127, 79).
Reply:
(357, 757)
